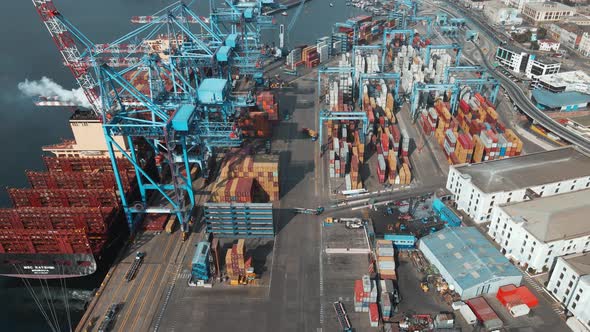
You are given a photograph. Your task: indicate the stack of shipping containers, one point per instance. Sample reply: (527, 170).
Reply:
(365, 293)
(392, 146)
(475, 134)
(75, 199)
(237, 266)
(267, 103)
(252, 172)
(386, 260)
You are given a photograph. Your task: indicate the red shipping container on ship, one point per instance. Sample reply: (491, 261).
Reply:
(500, 127)
(63, 197)
(88, 165)
(93, 220)
(35, 241)
(78, 180)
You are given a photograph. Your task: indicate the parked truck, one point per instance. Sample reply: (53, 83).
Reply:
(467, 314)
(134, 266)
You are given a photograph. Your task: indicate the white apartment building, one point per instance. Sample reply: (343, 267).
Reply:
(518, 4)
(548, 45)
(570, 284)
(477, 188)
(537, 66)
(511, 58)
(535, 232)
(584, 46)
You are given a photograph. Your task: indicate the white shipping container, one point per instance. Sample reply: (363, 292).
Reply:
(518, 310)
(468, 314)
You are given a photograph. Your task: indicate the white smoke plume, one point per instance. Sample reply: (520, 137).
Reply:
(46, 87)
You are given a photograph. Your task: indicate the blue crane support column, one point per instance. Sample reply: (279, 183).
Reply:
(363, 49)
(393, 32)
(340, 116)
(421, 87)
(375, 76)
(458, 48)
(478, 83)
(463, 69)
(354, 28)
(332, 70)
(429, 20)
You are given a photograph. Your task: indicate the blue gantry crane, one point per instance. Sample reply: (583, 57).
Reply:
(420, 88)
(476, 70)
(428, 19)
(185, 112)
(387, 77)
(455, 47)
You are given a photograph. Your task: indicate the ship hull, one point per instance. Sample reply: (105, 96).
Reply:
(47, 266)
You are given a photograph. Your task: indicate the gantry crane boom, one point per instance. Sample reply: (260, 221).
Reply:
(61, 33)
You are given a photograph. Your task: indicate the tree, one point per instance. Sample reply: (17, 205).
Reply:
(541, 33)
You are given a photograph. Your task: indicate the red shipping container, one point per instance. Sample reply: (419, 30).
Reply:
(511, 294)
(482, 309)
(464, 106)
(395, 133)
(373, 312)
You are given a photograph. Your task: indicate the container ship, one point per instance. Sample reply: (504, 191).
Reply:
(71, 217)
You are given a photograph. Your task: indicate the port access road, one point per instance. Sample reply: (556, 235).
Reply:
(518, 96)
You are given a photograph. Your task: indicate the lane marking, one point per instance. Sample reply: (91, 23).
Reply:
(139, 289)
(146, 275)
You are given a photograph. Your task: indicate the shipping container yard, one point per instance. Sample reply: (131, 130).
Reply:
(243, 184)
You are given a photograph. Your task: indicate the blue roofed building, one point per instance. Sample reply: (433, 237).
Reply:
(468, 261)
(566, 91)
(562, 101)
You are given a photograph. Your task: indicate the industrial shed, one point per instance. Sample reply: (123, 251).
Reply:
(468, 261)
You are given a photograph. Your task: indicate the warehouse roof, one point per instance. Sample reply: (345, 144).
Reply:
(557, 217)
(527, 170)
(468, 256)
(549, 6)
(576, 80)
(553, 100)
(579, 263)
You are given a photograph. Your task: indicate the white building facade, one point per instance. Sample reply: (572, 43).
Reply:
(511, 59)
(570, 284)
(477, 188)
(538, 67)
(548, 45)
(536, 232)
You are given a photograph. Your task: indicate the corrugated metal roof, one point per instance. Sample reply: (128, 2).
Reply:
(556, 217)
(472, 260)
(528, 170)
(553, 100)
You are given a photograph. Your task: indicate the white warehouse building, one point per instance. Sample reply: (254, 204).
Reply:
(535, 232)
(570, 284)
(477, 188)
(468, 261)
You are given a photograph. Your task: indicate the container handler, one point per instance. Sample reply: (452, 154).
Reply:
(311, 133)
